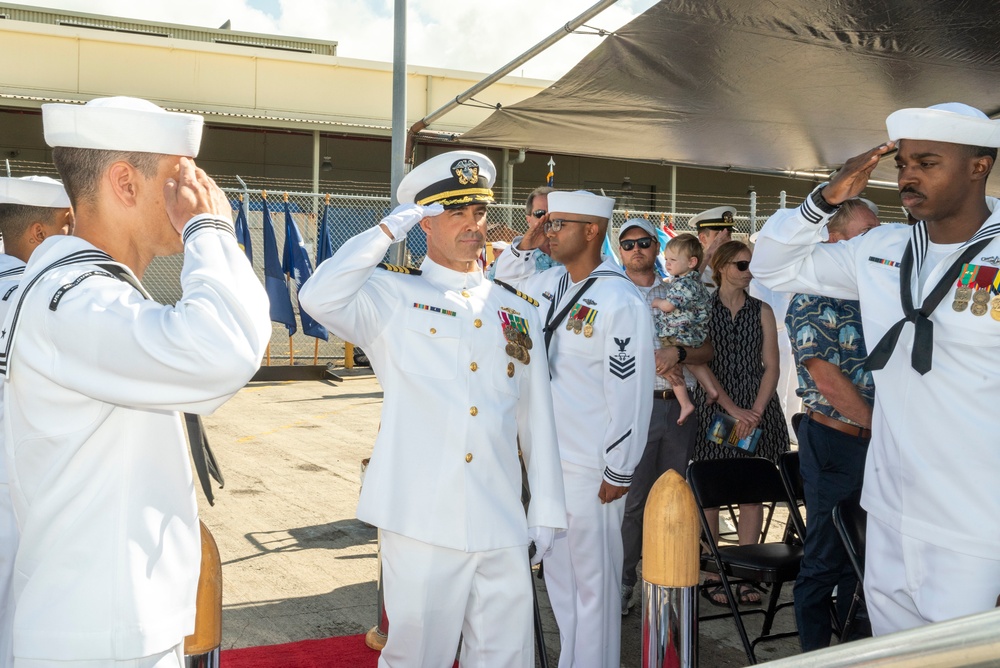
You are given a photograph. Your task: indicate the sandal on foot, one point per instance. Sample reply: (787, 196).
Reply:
(748, 594)
(715, 594)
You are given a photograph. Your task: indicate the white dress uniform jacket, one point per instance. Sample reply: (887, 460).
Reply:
(600, 383)
(99, 469)
(444, 469)
(11, 270)
(933, 463)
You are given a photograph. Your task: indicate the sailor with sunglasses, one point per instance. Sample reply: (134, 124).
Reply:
(598, 334)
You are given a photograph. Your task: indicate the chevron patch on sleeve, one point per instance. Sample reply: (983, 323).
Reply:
(622, 364)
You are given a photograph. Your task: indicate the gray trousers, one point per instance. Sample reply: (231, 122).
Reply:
(668, 446)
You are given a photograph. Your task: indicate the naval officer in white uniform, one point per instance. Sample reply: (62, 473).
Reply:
(930, 309)
(462, 364)
(100, 476)
(32, 209)
(598, 331)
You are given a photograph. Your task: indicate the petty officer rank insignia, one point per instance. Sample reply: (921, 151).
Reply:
(622, 364)
(515, 331)
(978, 283)
(581, 319)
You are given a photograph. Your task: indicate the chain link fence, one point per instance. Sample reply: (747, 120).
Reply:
(352, 214)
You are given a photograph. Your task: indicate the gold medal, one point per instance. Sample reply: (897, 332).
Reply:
(995, 308)
(963, 293)
(510, 369)
(979, 308)
(960, 305)
(577, 326)
(510, 334)
(569, 324)
(588, 330)
(981, 296)
(527, 358)
(527, 342)
(511, 350)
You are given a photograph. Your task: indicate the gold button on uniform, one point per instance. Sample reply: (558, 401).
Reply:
(468, 457)
(465, 293)
(473, 366)
(478, 323)
(433, 331)
(473, 411)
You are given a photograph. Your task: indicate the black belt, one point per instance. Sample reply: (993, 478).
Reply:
(665, 395)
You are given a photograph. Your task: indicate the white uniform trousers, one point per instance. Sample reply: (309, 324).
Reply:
(172, 658)
(909, 583)
(8, 550)
(434, 595)
(584, 572)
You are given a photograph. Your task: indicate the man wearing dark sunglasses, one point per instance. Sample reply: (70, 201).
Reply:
(598, 334)
(668, 445)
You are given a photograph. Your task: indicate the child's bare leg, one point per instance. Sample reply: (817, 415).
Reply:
(681, 394)
(707, 380)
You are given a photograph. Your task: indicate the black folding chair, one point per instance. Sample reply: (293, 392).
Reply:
(788, 466)
(745, 480)
(851, 521)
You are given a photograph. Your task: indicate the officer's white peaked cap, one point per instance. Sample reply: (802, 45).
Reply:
(122, 124)
(33, 191)
(952, 122)
(453, 179)
(581, 202)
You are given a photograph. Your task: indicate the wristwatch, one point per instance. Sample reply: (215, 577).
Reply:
(682, 354)
(817, 198)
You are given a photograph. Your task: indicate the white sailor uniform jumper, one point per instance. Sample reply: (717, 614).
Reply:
(933, 462)
(601, 360)
(100, 477)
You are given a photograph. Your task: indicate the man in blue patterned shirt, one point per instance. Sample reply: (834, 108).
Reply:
(837, 394)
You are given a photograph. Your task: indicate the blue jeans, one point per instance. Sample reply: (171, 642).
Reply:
(832, 465)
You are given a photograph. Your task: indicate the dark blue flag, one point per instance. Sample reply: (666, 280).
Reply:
(324, 237)
(274, 279)
(243, 231)
(300, 270)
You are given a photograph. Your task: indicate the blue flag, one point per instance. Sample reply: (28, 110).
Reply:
(274, 279)
(300, 270)
(324, 237)
(243, 230)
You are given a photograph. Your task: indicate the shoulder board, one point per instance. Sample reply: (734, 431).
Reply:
(511, 288)
(398, 269)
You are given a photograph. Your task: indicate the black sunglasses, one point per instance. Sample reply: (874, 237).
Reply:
(741, 265)
(629, 244)
(538, 213)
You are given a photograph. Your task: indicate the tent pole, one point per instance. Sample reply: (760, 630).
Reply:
(502, 72)
(397, 252)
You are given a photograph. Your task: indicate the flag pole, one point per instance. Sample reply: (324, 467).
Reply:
(291, 350)
(263, 195)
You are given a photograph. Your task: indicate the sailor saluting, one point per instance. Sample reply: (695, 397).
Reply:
(464, 383)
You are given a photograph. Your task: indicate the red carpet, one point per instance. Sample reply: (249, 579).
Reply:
(342, 652)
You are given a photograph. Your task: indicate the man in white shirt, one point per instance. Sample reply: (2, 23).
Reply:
(32, 209)
(599, 339)
(466, 382)
(931, 319)
(97, 377)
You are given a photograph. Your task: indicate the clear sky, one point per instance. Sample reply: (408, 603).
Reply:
(454, 34)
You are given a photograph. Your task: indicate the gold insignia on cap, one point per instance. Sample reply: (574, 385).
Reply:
(466, 171)
(727, 216)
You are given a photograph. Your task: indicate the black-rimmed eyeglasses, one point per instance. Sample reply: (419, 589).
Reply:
(554, 225)
(629, 244)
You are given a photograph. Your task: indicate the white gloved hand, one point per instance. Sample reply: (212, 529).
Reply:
(405, 216)
(542, 537)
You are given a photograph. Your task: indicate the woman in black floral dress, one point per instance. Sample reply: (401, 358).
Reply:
(745, 338)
